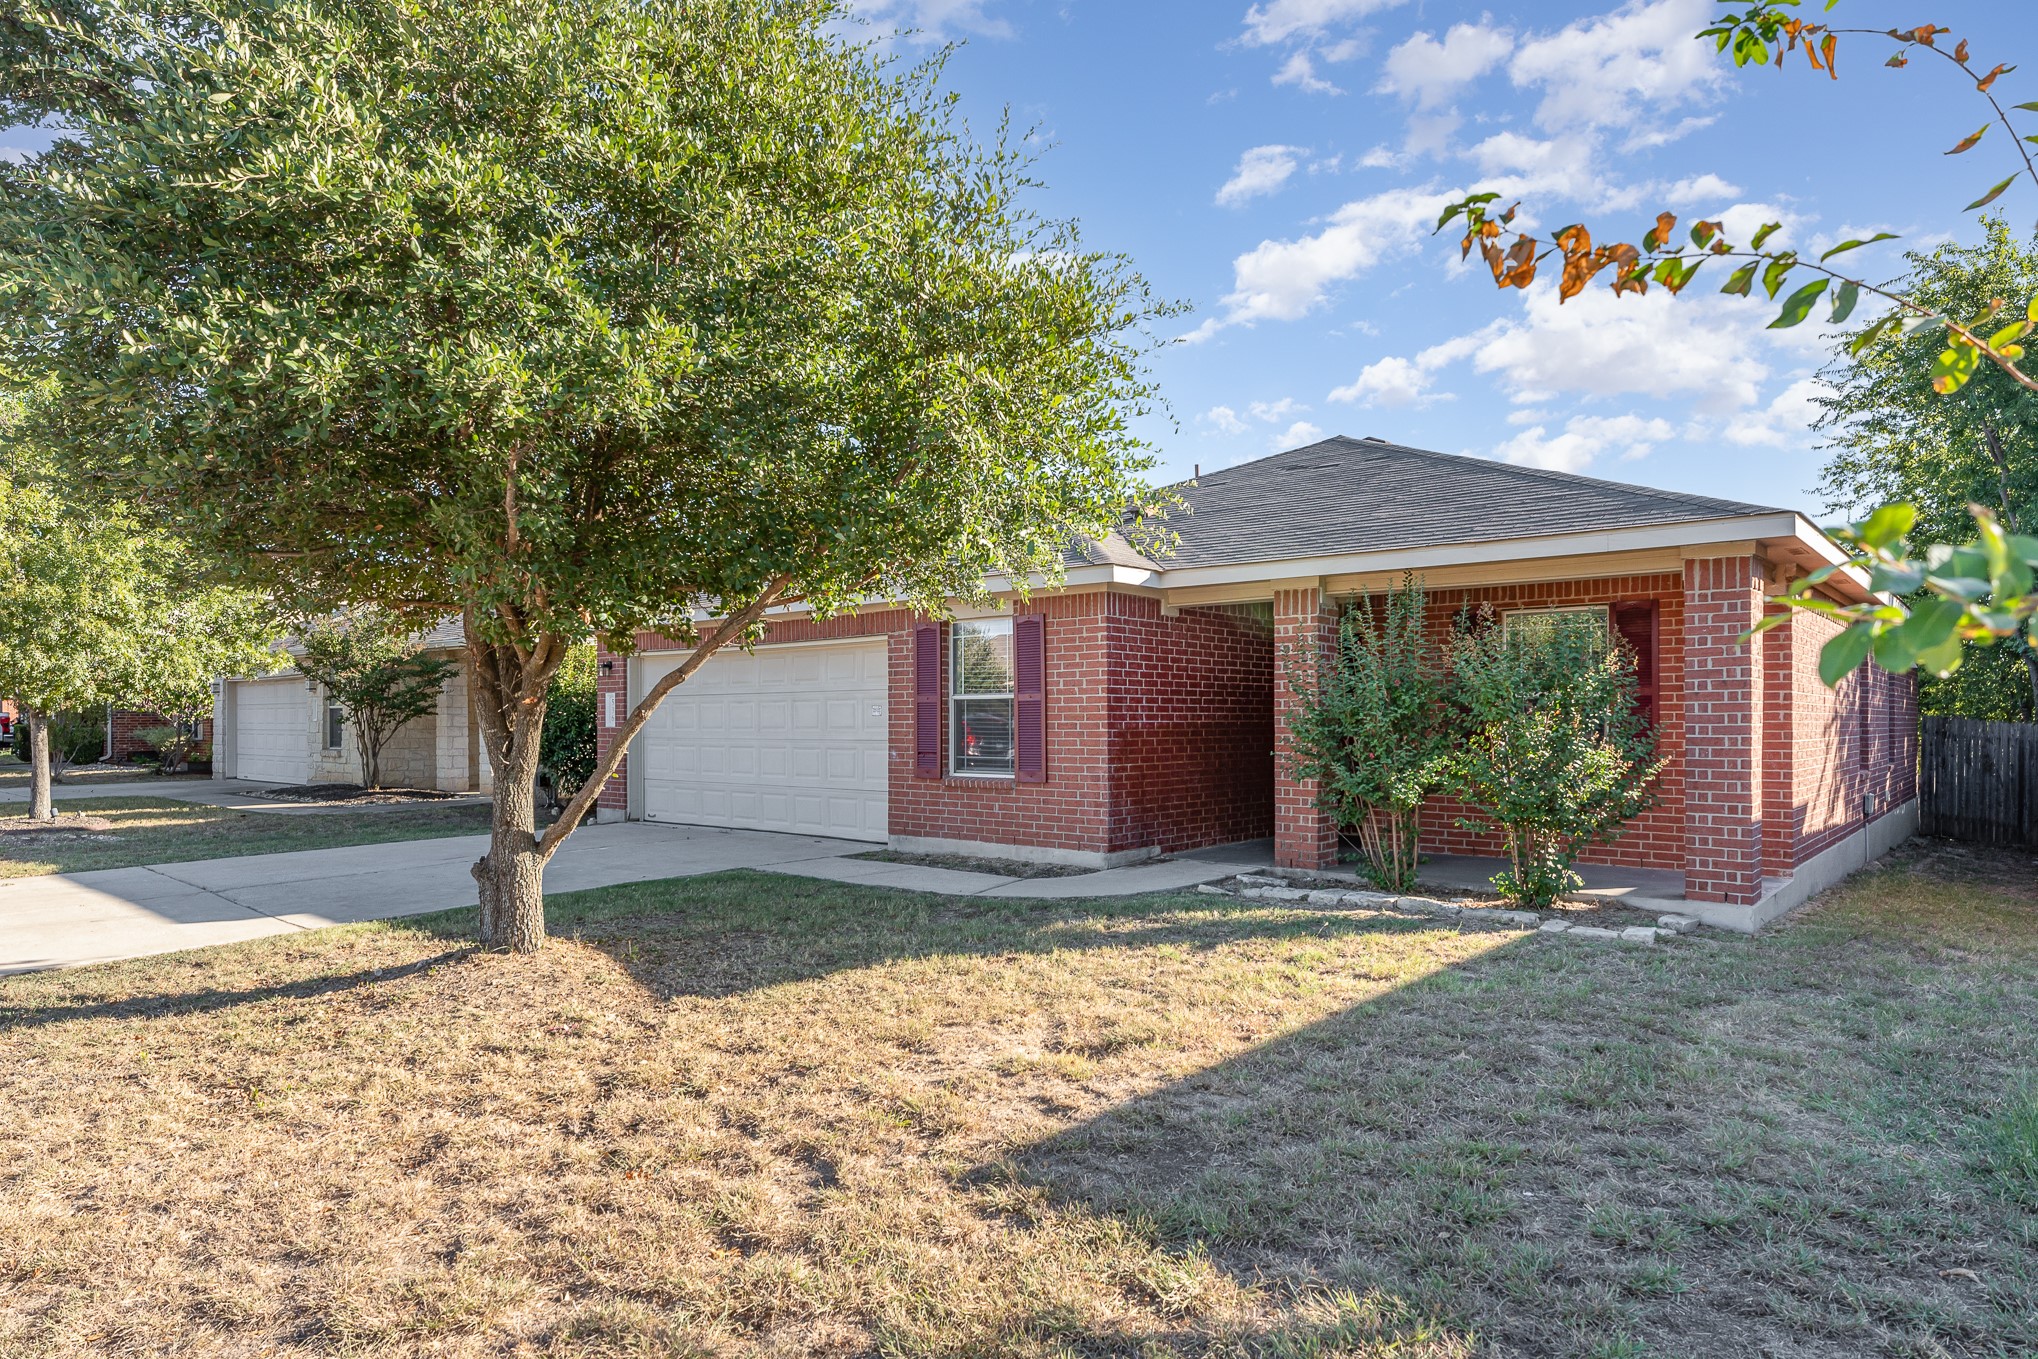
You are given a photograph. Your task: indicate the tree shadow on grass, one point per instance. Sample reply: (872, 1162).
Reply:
(15, 1018)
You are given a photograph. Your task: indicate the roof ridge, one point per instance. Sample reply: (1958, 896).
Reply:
(1549, 474)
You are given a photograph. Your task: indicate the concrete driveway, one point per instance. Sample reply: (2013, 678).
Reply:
(64, 920)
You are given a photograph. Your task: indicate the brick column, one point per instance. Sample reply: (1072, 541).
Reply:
(1304, 836)
(611, 701)
(1722, 730)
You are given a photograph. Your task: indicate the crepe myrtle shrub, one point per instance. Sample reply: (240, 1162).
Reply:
(1557, 755)
(1372, 726)
(372, 664)
(573, 319)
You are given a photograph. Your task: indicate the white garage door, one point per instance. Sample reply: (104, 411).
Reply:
(792, 738)
(271, 738)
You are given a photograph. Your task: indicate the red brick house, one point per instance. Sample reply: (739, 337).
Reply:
(1136, 711)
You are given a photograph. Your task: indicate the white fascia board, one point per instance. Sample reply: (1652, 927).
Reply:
(1778, 525)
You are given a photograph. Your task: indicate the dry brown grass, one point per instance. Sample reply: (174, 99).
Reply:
(762, 1114)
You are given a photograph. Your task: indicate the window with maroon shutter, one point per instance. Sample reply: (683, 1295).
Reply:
(1635, 623)
(1029, 671)
(927, 701)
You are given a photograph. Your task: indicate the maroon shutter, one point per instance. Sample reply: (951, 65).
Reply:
(1029, 698)
(1634, 622)
(927, 701)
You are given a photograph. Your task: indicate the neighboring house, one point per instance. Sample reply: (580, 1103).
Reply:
(123, 733)
(282, 728)
(1134, 711)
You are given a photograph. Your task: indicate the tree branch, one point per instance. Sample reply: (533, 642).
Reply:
(605, 768)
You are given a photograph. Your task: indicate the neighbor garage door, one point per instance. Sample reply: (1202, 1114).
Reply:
(792, 738)
(272, 738)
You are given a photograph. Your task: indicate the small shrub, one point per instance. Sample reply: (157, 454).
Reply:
(1559, 756)
(1372, 727)
(76, 738)
(566, 749)
(170, 744)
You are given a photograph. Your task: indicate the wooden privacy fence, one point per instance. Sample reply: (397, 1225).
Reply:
(1978, 781)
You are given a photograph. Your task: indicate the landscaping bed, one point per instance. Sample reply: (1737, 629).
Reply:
(758, 1114)
(355, 794)
(124, 832)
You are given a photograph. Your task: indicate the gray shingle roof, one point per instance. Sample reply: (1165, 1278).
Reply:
(1363, 495)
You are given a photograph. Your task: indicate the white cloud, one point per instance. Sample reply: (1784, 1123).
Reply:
(1615, 70)
(1261, 170)
(1300, 71)
(1585, 437)
(1431, 72)
(933, 21)
(1786, 422)
(1224, 419)
(1392, 381)
(1280, 21)
(1649, 138)
(1519, 164)
(1705, 347)
(1207, 327)
(1697, 190)
(1284, 280)
(1273, 411)
(1296, 435)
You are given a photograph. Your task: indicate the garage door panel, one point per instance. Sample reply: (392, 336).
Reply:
(271, 738)
(785, 739)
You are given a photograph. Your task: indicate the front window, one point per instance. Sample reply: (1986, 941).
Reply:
(336, 720)
(980, 696)
(1543, 622)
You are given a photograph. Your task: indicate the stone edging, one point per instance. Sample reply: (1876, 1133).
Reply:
(1259, 887)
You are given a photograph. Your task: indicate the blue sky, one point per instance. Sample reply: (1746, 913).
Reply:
(1279, 165)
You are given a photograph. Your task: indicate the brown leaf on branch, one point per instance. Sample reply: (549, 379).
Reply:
(1990, 78)
(1659, 236)
(1960, 52)
(1831, 46)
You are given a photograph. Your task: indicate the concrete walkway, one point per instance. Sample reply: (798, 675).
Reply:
(65, 920)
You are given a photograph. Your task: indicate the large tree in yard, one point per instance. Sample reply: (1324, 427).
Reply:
(569, 317)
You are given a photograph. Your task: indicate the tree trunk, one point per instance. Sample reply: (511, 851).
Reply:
(36, 729)
(510, 699)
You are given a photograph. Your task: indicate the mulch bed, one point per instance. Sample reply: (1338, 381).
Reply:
(354, 794)
(18, 832)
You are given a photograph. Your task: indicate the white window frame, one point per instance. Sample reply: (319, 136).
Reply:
(1602, 612)
(956, 698)
(333, 736)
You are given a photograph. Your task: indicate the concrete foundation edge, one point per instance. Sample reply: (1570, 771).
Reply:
(1813, 876)
(1025, 854)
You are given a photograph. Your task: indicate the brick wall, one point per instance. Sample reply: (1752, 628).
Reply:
(1723, 709)
(1656, 838)
(1304, 835)
(1159, 730)
(1191, 725)
(1829, 749)
(127, 745)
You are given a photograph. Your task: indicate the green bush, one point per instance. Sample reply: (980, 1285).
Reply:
(566, 747)
(77, 738)
(1558, 756)
(1373, 727)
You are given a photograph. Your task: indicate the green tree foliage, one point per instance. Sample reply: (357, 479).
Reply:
(1558, 757)
(74, 594)
(1372, 726)
(568, 756)
(371, 664)
(1895, 440)
(565, 316)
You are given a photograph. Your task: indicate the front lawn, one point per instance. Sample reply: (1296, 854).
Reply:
(753, 1113)
(121, 832)
(15, 773)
